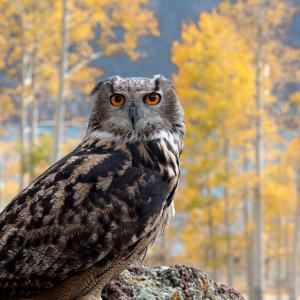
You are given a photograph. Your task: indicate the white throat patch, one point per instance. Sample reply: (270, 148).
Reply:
(172, 138)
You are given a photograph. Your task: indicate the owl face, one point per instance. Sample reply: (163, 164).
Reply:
(136, 106)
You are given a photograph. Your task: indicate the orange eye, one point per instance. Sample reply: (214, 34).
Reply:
(152, 99)
(117, 100)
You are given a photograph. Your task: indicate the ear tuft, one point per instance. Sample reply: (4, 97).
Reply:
(158, 78)
(96, 88)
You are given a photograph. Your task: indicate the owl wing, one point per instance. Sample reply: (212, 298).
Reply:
(95, 202)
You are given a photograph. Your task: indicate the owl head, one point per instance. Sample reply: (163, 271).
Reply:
(136, 108)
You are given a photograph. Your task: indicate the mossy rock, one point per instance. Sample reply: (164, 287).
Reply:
(177, 282)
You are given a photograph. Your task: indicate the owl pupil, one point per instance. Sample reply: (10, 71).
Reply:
(152, 98)
(118, 99)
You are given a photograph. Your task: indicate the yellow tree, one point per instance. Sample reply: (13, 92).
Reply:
(280, 198)
(16, 62)
(40, 65)
(28, 64)
(262, 24)
(85, 21)
(7, 106)
(215, 82)
(7, 111)
(293, 125)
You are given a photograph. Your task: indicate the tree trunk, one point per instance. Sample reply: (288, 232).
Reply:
(294, 280)
(60, 105)
(229, 256)
(279, 261)
(212, 247)
(287, 253)
(259, 167)
(34, 120)
(22, 112)
(34, 107)
(34, 103)
(248, 234)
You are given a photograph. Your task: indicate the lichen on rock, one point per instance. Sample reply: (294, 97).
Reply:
(177, 282)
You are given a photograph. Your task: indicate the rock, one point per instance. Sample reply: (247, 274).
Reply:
(177, 282)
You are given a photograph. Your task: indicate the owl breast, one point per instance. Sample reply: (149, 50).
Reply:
(151, 182)
(159, 167)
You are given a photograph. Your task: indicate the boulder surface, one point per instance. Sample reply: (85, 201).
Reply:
(177, 282)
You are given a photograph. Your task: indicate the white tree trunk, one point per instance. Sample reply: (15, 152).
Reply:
(24, 83)
(279, 261)
(212, 258)
(287, 253)
(248, 234)
(34, 103)
(34, 107)
(60, 104)
(294, 280)
(229, 256)
(258, 207)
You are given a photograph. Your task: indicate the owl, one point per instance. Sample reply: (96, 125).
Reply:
(97, 209)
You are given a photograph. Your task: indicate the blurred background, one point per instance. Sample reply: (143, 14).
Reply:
(235, 65)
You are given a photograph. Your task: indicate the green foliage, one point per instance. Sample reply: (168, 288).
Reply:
(38, 156)
(40, 153)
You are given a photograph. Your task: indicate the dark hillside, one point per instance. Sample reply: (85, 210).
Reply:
(158, 48)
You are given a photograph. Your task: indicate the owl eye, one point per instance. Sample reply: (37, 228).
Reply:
(152, 98)
(117, 100)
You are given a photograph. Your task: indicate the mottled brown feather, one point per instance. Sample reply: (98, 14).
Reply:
(97, 201)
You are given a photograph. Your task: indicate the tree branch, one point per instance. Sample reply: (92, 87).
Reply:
(83, 63)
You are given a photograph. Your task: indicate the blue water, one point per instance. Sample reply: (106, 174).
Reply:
(71, 131)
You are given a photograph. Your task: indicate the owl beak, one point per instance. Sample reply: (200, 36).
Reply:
(133, 115)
